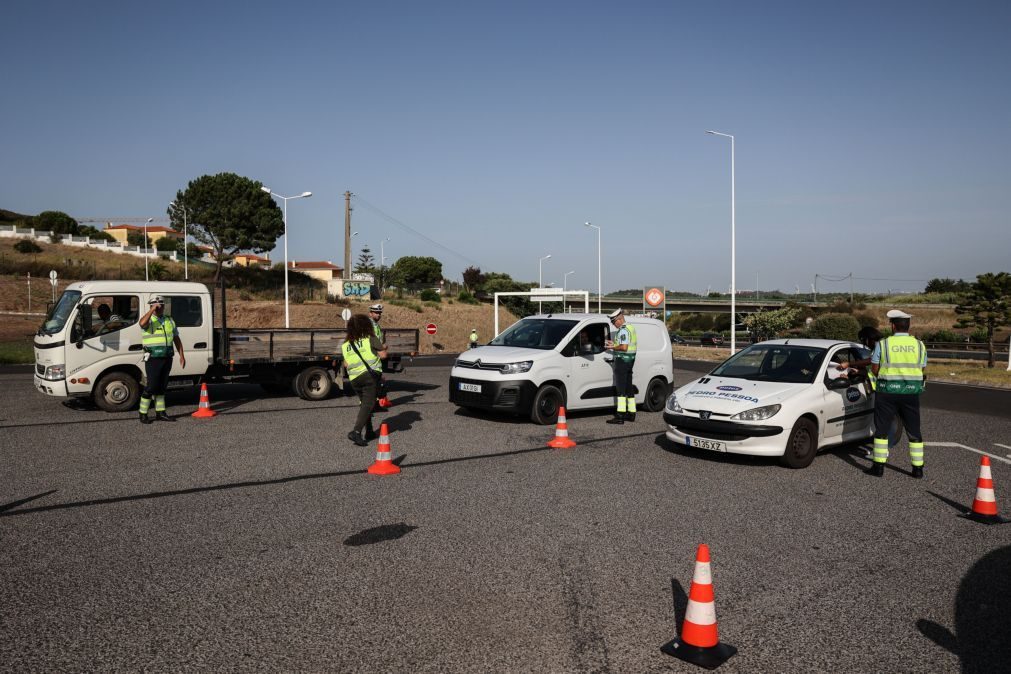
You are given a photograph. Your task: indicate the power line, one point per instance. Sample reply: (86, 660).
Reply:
(407, 228)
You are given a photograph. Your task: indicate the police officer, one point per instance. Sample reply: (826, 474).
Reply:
(376, 315)
(898, 364)
(362, 352)
(623, 347)
(473, 338)
(158, 336)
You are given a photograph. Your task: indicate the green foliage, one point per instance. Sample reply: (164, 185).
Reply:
(16, 352)
(770, 324)
(27, 246)
(411, 269)
(947, 285)
(55, 221)
(168, 244)
(135, 238)
(95, 234)
(692, 322)
(942, 336)
(867, 320)
(834, 326)
(473, 278)
(466, 298)
(366, 263)
(804, 312)
(158, 270)
(429, 295)
(229, 213)
(987, 306)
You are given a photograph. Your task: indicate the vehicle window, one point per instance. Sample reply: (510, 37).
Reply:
(534, 333)
(106, 314)
(60, 312)
(774, 362)
(590, 340)
(185, 310)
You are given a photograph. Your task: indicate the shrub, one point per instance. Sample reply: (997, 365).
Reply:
(834, 326)
(467, 298)
(942, 336)
(429, 295)
(867, 320)
(27, 246)
(979, 335)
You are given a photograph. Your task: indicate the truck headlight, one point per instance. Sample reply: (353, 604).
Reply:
(673, 405)
(55, 372)
(517, 368)
(757, 413)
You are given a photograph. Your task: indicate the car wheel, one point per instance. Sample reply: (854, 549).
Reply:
(547, 401)
(116, 392)
(802, 445)
(314, 383)
(656, 395)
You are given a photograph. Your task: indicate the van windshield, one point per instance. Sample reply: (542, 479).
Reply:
(535, 333)
(60, 312)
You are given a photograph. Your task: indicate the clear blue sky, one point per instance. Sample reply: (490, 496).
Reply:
(864, 130)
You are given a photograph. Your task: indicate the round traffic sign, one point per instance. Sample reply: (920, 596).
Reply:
(430, 328)
(654, 297)
(346, 314)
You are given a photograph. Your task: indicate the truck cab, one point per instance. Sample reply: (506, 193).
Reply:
(90, 342)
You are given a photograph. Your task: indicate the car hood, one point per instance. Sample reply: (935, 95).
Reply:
(726, 395)
(503, 354)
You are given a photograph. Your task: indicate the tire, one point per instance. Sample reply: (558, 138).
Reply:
(656, 395)
(314, 383)
(547, 400)
(116, 392)
(802, 445)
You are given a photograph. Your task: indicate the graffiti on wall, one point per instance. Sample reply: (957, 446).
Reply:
(344, 289)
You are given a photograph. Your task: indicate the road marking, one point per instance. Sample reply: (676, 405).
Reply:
(1004, 446)
(971, 449)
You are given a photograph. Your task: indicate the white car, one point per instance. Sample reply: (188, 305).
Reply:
(782, 398)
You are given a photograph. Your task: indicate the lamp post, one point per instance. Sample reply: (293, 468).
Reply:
(149, 221)
(186, 256)
(287, 316)
(733, 248)
(540, 278)
(565, 286)
(599, 286)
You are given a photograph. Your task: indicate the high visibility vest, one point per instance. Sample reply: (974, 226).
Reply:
(379, 331)
(473, 336)
(628, 354)
(900, 369)
(355, 365)
(158, 335)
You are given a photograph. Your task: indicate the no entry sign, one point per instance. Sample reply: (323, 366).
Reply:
(431, 329)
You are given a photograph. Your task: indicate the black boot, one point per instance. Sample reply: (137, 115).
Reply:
(356, 437)
(618, 419)
(876, 470)
(145, 420)
(161, 416)
(918, 472)
(370, 433)
(629, 416)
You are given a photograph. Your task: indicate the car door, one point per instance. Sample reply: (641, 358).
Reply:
(590, 380)
(104, 334)
(192, 320)
(847, 410)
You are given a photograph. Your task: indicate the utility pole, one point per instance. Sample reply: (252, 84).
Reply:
(851, 289)
(347, 235)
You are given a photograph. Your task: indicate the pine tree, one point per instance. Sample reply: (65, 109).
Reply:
(987, 305)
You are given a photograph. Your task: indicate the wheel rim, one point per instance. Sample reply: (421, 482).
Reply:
(315, 384)
(656, 394)
(802, 442)
(549, 406)
(117, 393)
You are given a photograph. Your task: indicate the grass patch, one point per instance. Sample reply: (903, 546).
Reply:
(16, 353)
(973, 372)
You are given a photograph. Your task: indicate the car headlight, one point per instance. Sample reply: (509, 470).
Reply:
(55, 372)
(673, 405)
(757, 413)
(517, 368)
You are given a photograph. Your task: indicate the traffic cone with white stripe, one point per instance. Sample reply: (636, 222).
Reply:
(384, 402)
(561, 439)
(984, 506)
(699, 642)
(204, 410)
(384, 457)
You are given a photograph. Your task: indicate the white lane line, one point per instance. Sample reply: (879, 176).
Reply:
(1004, 446)
(971, 449)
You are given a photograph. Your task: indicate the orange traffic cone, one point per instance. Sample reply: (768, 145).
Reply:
(561, 439)
(699, 643)
(204, 411)
(384, 459)
(384, 402)
(984, 506)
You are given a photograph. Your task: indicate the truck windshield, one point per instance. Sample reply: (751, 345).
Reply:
(782, 363)
(535, 333)
(60, 312)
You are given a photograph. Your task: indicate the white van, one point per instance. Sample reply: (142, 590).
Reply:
(543, 362)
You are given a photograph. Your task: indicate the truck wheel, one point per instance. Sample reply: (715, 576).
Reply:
(802, 445)
(546, 403)
(116, 392)
(656, 395)
(314, 383)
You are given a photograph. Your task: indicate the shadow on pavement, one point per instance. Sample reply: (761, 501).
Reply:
(716, 457)
(402, 421)
(14, 504)
(954, 504)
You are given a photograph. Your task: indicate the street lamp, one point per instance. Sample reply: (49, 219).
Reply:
(149, 221)
(382, 252)
(565, 280)
(287, 317)
(599, 286)
(733, 248)
(540, 278)
(186, 256)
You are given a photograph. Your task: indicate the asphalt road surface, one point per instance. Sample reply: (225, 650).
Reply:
(255, 541)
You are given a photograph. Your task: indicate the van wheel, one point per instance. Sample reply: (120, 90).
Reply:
(314, 383)
(656, 395)
(116, 392)
(546, 403)
(802, 445)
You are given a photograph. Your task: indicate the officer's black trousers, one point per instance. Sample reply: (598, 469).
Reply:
(622, 378)
(367, 387)
(157, 370)
(905, 406)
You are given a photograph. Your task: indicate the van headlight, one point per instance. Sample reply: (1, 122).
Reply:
(673, 405)
(55, 372)
(757, 413)
(517, 368)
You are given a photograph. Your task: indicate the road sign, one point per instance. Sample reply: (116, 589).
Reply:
(346, 314)
(545, 295)
(431, 329)
(654, 296)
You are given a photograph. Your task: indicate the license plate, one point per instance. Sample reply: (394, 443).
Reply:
(473, 388)
(705, 444)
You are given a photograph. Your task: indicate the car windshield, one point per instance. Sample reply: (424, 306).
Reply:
(60, 312)
(783, 363)
(535, 333)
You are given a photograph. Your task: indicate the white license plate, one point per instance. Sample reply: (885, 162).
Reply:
(705, 444)
(473, 388)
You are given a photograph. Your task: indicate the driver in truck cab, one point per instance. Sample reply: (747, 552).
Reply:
(159, 336)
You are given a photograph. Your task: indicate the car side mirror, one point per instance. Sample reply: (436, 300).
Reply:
(838, 383)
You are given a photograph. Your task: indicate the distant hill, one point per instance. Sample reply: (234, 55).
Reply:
(11, 216)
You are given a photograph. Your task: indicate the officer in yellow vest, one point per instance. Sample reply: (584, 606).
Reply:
(158, 336)
(623, 347)
(898, 364)
(362, 358)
